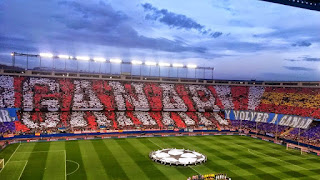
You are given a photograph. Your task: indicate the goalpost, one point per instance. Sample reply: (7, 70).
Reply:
(1, 163)
(303, 150)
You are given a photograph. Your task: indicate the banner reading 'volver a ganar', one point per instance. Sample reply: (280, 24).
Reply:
(8, 114)
(281, 119)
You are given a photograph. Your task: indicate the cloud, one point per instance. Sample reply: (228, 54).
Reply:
(306, 58)
(311, 59)
(101, 24)
(296, 68)
(178, 21)
(97, 17)
(302, 44)
(216, 34)
(10, 43)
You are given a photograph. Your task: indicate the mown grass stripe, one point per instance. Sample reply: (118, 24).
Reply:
(91, 161)
(56, 162)
(141, 159)
(36, 162)
(55, 166)
(128, 164)
(74, 154)
(108, 161)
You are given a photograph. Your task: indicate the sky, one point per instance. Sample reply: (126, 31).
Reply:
(241, 39)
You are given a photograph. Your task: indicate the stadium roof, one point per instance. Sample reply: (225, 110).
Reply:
(306, 4)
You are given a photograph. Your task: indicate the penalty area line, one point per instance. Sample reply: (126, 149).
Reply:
(23, 169)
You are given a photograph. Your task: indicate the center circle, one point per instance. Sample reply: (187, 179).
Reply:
(178, 157)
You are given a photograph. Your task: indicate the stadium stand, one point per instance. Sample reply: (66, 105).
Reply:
(48, 104)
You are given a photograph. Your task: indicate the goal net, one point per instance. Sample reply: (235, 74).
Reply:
(1, 163)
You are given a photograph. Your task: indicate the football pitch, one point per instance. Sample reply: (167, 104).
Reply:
(240, 157)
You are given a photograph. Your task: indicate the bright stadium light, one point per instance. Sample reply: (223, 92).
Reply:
(84, 58)
(164, 64)
(62, 56)
(99, 59)
(115, 60)
(136, 62)
(12, 54)
(49, 55)
(192, 66)
(150, 63)
(177, 65)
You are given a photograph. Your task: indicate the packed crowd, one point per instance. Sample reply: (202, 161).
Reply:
(93, 120)
(49, 103)
(50, 94)
(308, 136)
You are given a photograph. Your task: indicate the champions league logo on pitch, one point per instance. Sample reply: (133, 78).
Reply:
(8, 115)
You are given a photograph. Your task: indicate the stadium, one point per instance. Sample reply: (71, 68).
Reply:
(65, 115)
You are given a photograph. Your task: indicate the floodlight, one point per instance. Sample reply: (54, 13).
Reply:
(150, 63)
(115, 60)
(85, 58)
(177, 65)
(136, 62)
(63, 56)
(164, 64)
(49, 55)
(192, 66)
(100, 59)
(12, 54)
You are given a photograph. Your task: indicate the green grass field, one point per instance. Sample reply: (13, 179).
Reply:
(239, 156)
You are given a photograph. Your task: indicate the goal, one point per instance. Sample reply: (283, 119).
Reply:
(1, 163)
(303, 150)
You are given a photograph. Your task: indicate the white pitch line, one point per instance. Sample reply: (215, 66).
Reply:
(40, 151)
(155, 143)
(10, 157)
(194, 170)
(23, 169)
(74, 170)
(65, 164)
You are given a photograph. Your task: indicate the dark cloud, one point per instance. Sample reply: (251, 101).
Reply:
(174, 20)
(302, 44)
(311, 59)
(296, 68)
(16, 44)
(95, 17)
(216, 34)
